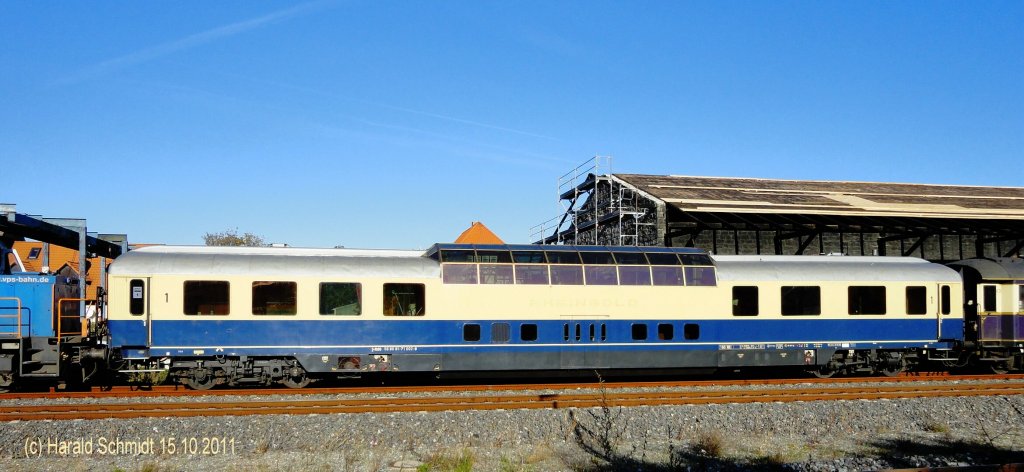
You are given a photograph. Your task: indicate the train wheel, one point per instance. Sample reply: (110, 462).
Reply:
(825, 372)
(201, 379)
(894, 366)
(296, 382)
(1000, 367)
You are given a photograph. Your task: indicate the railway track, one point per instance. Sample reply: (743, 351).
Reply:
(607, 397)
(178, 390)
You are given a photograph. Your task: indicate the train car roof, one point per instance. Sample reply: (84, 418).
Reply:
(831, 268)
(560, 248)
(272, 261)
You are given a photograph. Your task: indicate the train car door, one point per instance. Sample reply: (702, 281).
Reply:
(580, 337)
(138, 304)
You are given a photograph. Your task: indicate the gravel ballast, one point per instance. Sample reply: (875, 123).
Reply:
(802, 436)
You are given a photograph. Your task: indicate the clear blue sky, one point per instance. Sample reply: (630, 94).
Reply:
(396, 124)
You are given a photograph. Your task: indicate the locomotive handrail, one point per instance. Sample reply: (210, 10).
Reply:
(16, 315)
(61, 316)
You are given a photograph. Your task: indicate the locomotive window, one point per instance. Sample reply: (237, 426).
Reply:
(598, 275)
(696, 259)
(528, 257)
(531, 274)
(946, 302)
(597, 257)
(273, 298)
(639, 332)
(500, 332)
(207, 297)
(744, 301)
(634, 275)
(137, 302)
(691, 331)
(566, 275)
(563, 257)
(494, 257)
(866, 300)
(917, 300)
(662, 275)
(662, 258)
(458, 273)
(801, 301)
(471, 332)
(989, 293)
(458, 256)
(630, 258)
(665, 332)
(404, 300)
(700, 276)
(341, 298)
(528, 332)
(495, 274)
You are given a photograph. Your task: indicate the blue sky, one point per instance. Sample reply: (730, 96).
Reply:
(396, 124)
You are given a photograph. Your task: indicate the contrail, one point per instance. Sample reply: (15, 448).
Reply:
(187, 42)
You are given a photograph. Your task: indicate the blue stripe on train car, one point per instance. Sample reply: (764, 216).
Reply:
(180, 336)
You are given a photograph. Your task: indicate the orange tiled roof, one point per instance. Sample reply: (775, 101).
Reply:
(478, 234)
(58, 257)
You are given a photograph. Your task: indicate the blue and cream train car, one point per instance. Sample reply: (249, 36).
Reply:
(287, 315)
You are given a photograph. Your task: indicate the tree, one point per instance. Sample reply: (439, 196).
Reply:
(232, 238)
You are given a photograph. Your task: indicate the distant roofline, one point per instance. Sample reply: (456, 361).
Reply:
(824, 181)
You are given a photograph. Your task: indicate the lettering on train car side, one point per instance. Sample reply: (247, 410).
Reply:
(585, 303)
(393, 348)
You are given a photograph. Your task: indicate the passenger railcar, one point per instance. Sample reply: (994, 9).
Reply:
(286, 315)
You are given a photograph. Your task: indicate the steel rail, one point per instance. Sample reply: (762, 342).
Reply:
(495, 402)
(179, 390)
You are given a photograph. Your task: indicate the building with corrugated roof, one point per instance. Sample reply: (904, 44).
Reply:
(766, 216)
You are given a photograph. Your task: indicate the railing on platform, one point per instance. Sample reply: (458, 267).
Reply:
(80, 327)
(16, 325)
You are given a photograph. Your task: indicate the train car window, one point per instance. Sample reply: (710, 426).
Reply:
(662, 258)
(630, 258)
(492, 274)
(338, 298)
(531, 274)
(494, 257)
(798, 301)
(744, 301)
(500, 332)
(563, 257)
(665, 275)
(207, 297)
(404, 300)
(528, 257)
(634, 275)
(566, 275)
(946, 300)
(696, 259)
(565, 331)
(597, 258)
(917, 300)
(665, 332)
(691, 331)
(1020, 303)
(592, 333)
(137, 302)
(639, 332)
(604, 332)
(458, 255)
(458, 273)
(273, 298)
(868, 300)
(598, 275)
(989, 294)
(528, 332)
(470, 332)
(700, 276)
(579, 332)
